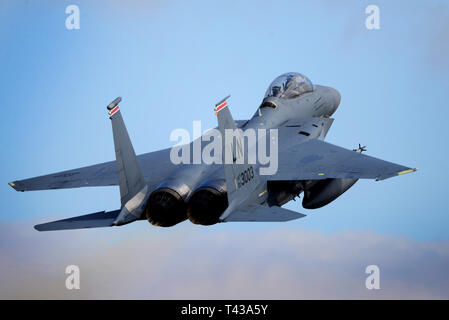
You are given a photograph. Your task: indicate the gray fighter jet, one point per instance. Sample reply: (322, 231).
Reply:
(165, 193)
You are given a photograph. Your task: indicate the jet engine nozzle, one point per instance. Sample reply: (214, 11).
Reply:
(208, 202)
(166, 205)
(165, 208)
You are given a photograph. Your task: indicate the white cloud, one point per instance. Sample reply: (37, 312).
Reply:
(222, 262)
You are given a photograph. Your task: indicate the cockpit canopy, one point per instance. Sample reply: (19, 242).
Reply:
(289, 85)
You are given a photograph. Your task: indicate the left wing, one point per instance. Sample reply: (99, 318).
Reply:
(317, 160)
(155, 166)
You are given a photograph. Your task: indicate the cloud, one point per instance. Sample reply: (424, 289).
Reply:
(222, 262)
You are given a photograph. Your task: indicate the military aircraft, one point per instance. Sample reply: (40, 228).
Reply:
(152, 187)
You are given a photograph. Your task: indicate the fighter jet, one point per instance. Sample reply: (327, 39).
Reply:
(154, 188)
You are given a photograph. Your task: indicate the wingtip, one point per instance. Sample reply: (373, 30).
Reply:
(400, 173)
(407, 171)
(16, 186)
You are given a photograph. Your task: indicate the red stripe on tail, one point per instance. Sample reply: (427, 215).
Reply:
(221, 106)
(113, 111)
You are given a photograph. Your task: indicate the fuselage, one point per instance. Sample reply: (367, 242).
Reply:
(276, 110)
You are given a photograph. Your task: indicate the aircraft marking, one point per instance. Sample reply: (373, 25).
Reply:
(244, 177)
(407, 171)
(113, 111)
(221, 106)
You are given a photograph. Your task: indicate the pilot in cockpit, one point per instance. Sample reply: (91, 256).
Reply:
(289, 85)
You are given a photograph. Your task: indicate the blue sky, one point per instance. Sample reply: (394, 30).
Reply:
(171, 61)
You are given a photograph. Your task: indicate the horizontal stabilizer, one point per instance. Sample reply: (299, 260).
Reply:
(93, 220)
(258, 213)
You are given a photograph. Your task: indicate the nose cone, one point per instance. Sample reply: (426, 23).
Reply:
(336, 97)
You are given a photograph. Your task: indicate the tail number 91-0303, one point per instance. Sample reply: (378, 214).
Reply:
(244, 177)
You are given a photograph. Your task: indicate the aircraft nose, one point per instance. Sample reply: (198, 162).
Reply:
(337, 97)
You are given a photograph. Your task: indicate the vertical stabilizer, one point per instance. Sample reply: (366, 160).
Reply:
(133, 188)
(242, 178)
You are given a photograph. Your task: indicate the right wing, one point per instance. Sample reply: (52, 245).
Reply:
(317, 160)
